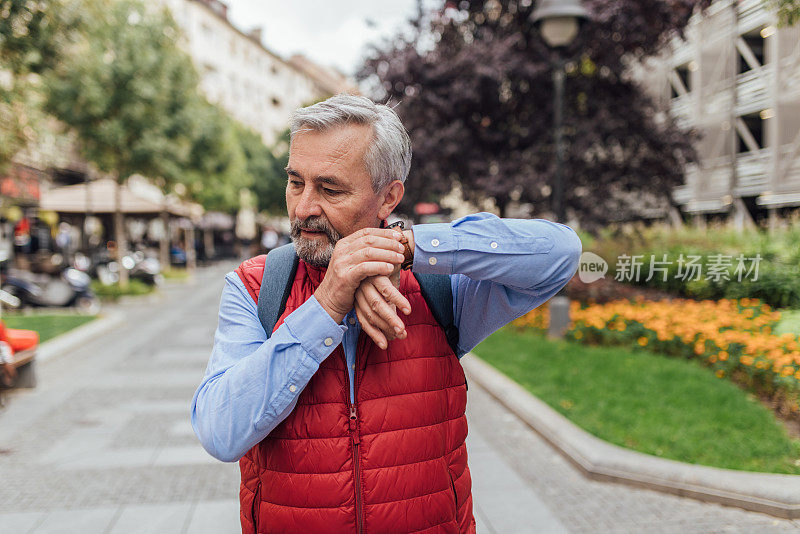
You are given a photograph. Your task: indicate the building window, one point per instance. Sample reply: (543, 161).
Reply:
(751, 137)
(684, 76)
(750, 50)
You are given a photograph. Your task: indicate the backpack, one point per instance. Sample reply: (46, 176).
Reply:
(277, 281)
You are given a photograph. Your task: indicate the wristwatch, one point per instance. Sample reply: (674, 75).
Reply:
(408, 262)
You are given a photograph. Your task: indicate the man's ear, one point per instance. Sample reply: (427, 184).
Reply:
(392, 195)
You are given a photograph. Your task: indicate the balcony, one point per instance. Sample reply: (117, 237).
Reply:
(751, 91)
(716, 103)
(682, 52)
(682, 194)
(752, 172)
(752, 14)
(681, 110)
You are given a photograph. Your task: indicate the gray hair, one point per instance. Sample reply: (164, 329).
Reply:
(388, 157)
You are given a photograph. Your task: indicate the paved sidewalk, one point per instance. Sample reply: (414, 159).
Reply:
(104, 445)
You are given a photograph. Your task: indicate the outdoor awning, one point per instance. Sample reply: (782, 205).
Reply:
(99, 196)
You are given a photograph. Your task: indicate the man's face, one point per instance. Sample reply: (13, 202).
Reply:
(329, 194)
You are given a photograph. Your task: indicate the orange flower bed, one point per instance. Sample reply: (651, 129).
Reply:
(733, 337)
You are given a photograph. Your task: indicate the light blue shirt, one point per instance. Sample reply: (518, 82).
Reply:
(499, 269)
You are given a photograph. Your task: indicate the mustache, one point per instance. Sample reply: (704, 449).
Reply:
(315, 224)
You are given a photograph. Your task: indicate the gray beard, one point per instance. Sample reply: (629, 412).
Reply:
(312, 251)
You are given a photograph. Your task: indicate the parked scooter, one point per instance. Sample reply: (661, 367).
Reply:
(70, 288)
(139, 267)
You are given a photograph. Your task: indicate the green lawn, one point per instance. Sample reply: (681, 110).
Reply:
(663, 406)
(48, 326)
(114, 291)
(790, 322)
(175, 273)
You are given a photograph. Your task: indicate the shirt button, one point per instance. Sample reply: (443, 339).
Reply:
(352, 320)
(494, 244)
(328, 342)
(292, 388)
(432, 261)
(435, 242)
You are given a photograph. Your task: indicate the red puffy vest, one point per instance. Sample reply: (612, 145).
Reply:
(394, 461)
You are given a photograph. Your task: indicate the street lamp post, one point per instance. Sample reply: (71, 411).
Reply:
(559, 23)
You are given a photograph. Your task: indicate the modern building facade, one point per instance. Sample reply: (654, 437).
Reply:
(735, 80)
(257, 87)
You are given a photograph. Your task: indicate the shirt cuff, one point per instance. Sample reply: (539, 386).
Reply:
(435, 246)
(316, 331)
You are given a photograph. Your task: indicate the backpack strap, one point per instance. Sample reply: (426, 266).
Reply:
(277, 281)
(438, 293)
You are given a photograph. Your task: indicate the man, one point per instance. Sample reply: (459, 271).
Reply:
(341, 432)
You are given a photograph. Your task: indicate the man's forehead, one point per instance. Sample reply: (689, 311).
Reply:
(342, 146)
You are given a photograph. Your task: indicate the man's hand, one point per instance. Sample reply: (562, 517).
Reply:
(367, 252)
(377, 301)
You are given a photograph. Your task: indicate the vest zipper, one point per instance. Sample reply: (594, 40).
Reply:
(356, 466)
(355, 438)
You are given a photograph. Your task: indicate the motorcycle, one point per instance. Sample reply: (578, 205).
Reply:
(69, 288)
(139, 267)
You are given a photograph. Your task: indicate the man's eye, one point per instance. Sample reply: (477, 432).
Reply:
(332, 192)
(295, 183)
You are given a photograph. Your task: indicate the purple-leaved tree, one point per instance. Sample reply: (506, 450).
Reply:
(473, 85)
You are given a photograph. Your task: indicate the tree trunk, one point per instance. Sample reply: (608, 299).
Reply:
(502, 206)
(119, 231)
(191, 253)
(208, 237)
(163, 243)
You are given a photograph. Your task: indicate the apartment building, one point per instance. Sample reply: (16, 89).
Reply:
(254, 85)
(735, 80)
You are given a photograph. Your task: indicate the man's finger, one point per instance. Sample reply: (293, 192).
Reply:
(374, 241)
(391, 294)
(373, 332)
(383, 309)
(378, 254)
(390, 233)
(371, 268)
(373, 317)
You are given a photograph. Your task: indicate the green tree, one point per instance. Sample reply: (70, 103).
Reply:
(267, 166)
(217, 168)
(32, 34)
(788, 11)
(126, 89)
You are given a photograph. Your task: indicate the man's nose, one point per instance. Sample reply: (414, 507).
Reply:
(308, 205)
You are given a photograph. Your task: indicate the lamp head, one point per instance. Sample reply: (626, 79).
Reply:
(559, 21)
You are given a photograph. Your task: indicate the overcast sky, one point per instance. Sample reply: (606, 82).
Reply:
(331, 33)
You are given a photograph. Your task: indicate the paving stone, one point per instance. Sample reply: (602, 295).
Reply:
(104, 444)
(78, 521)
(215, 518)
(152, 519)
(20, 522)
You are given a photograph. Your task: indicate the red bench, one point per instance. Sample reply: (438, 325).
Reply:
(19, 372)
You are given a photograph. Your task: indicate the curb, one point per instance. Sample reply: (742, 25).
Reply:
(77, 336)
(774, 494)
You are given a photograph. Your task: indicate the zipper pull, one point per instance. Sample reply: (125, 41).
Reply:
(352, 422)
